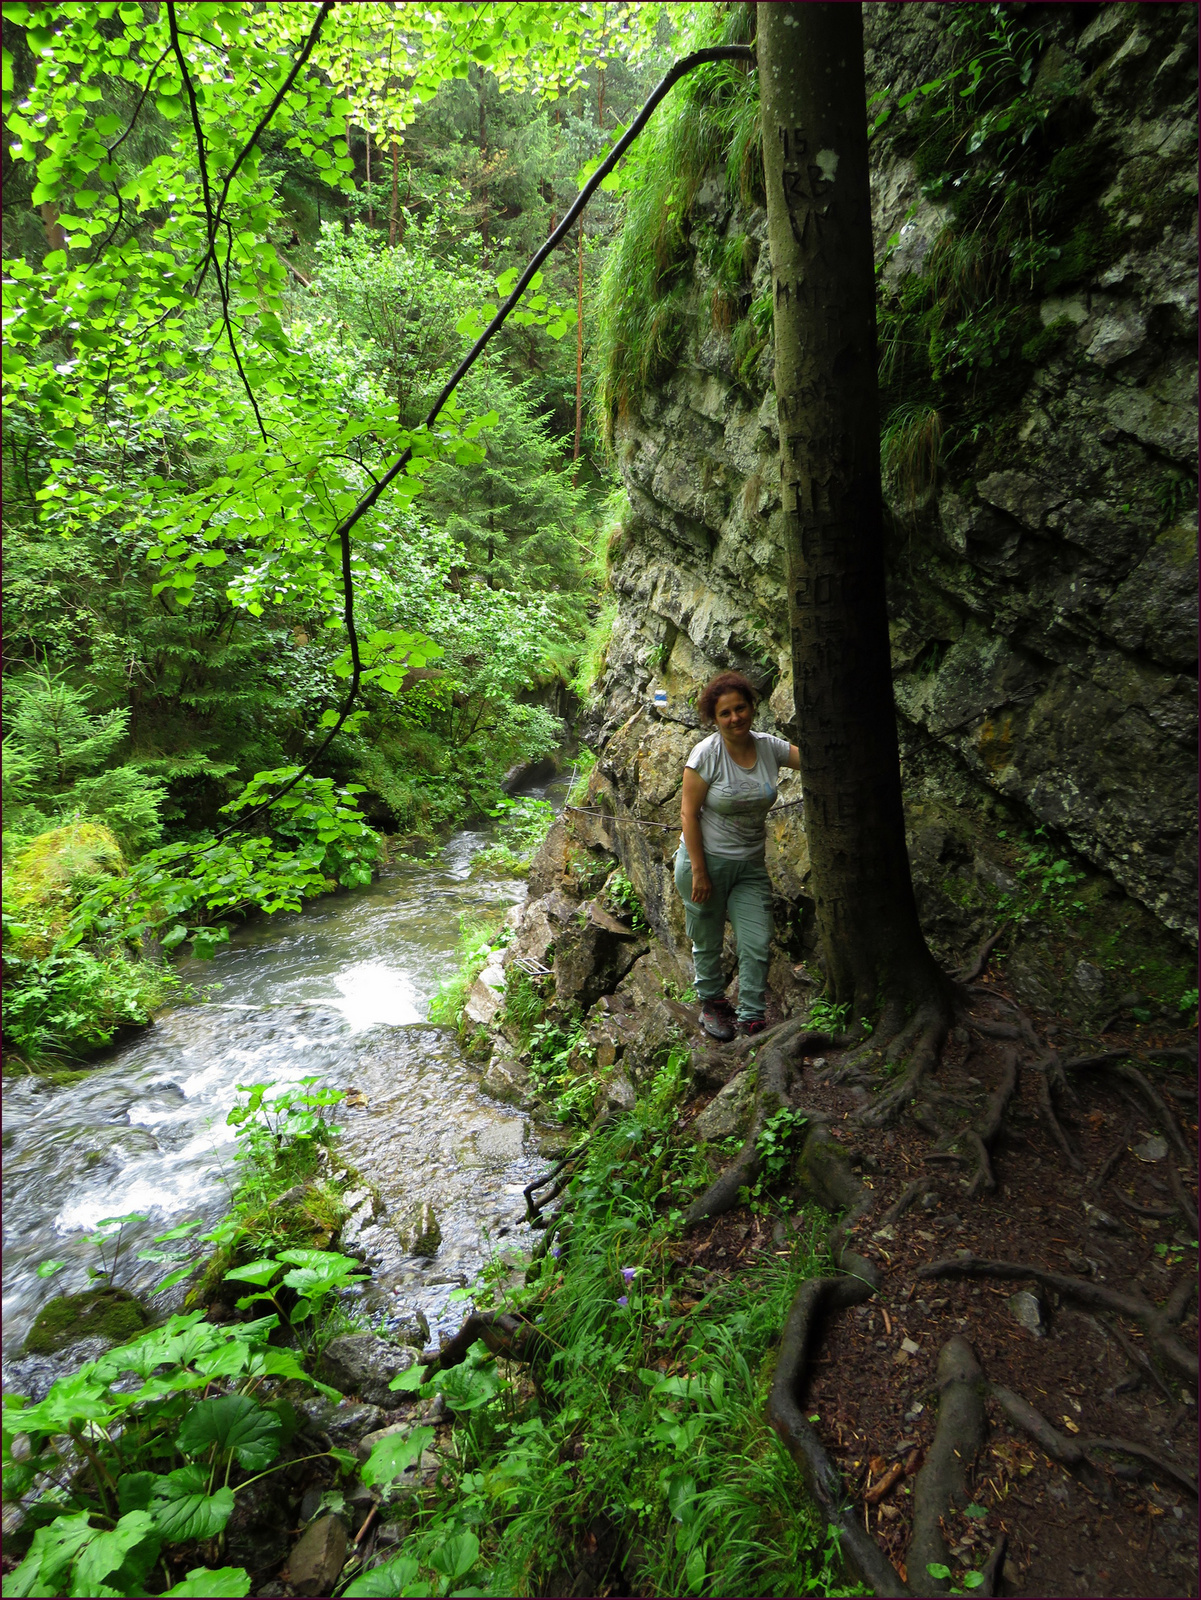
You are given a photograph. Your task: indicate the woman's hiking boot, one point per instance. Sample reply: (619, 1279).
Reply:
(718, 1020)
(753, 1025)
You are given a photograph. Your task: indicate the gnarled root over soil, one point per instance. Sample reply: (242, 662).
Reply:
(944, 1480)
(771, 1095)
(1157, 1320)
(822, 1479)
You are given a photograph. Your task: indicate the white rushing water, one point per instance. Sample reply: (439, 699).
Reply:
(339, 992)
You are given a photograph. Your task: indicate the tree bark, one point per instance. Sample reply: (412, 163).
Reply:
(393, 218)
(579, 355)
(814, 116)
(56, 234)
(370, 207)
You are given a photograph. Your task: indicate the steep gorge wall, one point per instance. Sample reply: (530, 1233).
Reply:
(1042, 593)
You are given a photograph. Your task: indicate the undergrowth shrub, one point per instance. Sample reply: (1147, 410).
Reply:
(524, 824)
(648, 1419)
(480, 936)
(645, 286)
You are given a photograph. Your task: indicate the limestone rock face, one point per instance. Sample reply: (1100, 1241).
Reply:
(362, 1364)
(729, 1112)
(591, 959)
(1043, 597)
(507, 1080)
(419, 1230)
(317, 1557)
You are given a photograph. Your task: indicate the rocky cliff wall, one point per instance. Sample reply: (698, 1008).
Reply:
(1042, 589)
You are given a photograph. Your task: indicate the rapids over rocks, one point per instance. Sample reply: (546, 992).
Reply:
(338, 992)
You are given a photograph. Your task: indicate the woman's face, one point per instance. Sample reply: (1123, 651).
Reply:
(733, 713)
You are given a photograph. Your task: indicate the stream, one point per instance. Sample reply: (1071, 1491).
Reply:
(339, 991)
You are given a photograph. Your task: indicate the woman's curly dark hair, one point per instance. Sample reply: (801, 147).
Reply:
(725, 683)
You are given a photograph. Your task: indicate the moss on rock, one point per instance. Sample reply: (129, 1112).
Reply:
(113, 1314)
(57, 863)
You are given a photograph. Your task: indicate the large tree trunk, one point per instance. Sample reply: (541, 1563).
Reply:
(579, 355)
(814, 119)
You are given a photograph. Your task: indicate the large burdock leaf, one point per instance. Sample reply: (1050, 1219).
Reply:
(132, 1547)
(232, 1422)
(393, 1578)
(184, 1509)
(457, 1556)
(219, 1581)
(393, 1455)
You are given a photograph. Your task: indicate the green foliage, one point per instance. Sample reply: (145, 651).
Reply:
(395, 1455)
(595, 648)
(524, 824)
(479, 938)
(161, 1466)
(623, 897)
(313, 1276)
(562, 1066)
(644, 290)
(957, 338)
(649, 1413)
(1176, 495)
(1049, 880)
(53, 740)
(827, 1016)
(776, 1146)
(971, 1580)
(72, 1002)
(911, 452)
(582, 767)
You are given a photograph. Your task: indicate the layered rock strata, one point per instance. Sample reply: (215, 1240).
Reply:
(1042, 597)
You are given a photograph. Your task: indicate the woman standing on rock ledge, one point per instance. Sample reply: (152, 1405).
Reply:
(729, 787)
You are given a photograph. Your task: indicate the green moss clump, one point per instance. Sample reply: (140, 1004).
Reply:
(1093, 243)
(112, 1314)
(1037, 349)
(61, 861)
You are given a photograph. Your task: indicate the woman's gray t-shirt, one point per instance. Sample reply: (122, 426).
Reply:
(734, 812)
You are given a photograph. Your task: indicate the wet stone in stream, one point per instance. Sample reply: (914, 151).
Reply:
(337, 993)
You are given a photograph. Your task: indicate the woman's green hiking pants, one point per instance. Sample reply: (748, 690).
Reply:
(741, 892)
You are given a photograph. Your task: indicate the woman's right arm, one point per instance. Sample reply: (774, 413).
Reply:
(695, 790)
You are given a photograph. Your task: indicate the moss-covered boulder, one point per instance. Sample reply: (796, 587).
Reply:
(57, 865)
(112, 1314)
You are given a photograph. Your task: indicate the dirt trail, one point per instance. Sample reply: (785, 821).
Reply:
(1039, 1204)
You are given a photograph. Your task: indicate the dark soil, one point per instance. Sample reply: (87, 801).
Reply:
(1121, 1526)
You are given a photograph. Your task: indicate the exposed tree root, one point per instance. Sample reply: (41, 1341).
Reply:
(504, 1334)
(985, 1135)
(943, 1480)
(992, 1568)
(1137, 1358)
(1158, 1212)
(1181, 1195)
(1159, 1463)
(1157, 1320)
(1068, 1452)
(1112, 1161)
(771, 1095)
(979, 961)
(1079, 1452)
(887, 1107)
(558, 1177)
(785, 1415)
(915, 1190)
(783, 1036)
(1120, 1067)
(1053, 1124)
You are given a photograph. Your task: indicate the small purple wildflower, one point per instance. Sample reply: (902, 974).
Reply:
(629, 1273)
(555, 1251)
(623, 1300)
